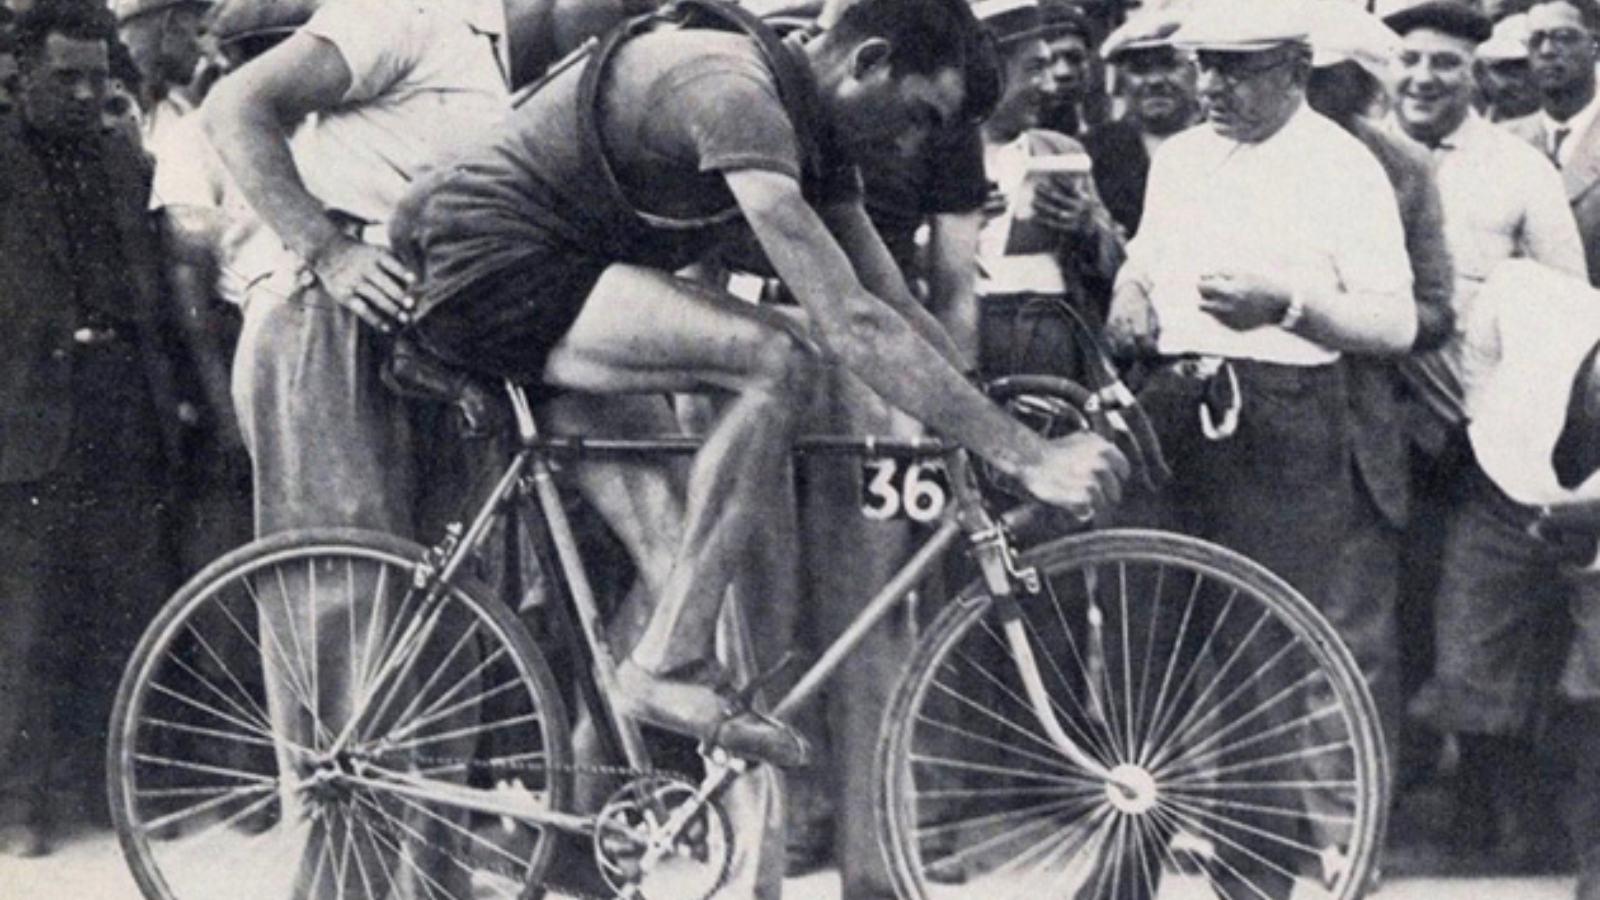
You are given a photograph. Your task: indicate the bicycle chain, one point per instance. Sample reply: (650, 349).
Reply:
(496, 768)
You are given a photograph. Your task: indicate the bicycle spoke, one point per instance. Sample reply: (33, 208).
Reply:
(1020, 702)
(1055, 763)
(416, 713)
(1160, 712)
(1258, 676)
(1098, 741)
(1201, 702)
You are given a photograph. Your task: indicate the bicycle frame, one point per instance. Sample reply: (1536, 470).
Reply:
(530, 472)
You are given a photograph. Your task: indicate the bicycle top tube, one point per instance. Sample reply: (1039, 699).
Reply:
(570, 445)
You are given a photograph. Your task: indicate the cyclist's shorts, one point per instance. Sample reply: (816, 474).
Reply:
(505, 323)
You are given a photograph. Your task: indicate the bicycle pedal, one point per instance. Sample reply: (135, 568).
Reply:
(742, 698)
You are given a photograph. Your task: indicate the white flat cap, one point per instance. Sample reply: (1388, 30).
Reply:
(1342, 32)
(1144, 30)
(1509, 40)
(1243, 26)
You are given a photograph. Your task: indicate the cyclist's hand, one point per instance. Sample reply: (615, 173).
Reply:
(369, 281)
(1081, 473)
(1132, 328)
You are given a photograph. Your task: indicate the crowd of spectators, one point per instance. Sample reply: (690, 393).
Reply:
(1304, 229)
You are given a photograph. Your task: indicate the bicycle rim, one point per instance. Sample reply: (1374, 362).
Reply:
(246, 763)
(1236, 745)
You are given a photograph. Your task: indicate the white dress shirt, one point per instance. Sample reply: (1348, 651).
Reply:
(427, 81)
(1309, 207)
(1502, 200)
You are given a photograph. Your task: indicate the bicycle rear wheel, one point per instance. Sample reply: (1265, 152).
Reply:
(1235, 747)
(260, 751)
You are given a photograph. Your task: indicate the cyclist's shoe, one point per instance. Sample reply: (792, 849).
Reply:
(697, 702)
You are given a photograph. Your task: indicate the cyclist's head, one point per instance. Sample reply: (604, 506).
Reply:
(895, 70)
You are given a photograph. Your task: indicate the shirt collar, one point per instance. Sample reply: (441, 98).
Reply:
(1576, 126)
(1471, 132)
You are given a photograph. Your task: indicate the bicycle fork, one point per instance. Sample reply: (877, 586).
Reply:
(997, 560)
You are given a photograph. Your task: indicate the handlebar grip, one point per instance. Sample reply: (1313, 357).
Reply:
(1136, 435)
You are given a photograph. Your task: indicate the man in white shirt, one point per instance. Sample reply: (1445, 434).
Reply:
(373, 94)
(1304, 257)
(1502, 200)
(1562, 52)
(1271, 243)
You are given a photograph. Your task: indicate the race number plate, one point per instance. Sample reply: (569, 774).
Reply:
(915, 489)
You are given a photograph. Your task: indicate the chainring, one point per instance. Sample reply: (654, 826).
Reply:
(637, 858)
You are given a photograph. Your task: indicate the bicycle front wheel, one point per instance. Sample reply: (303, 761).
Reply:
(1229, 744)
(302, 720)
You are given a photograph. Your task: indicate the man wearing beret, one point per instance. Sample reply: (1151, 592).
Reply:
(1502, 200)
(1304, 260)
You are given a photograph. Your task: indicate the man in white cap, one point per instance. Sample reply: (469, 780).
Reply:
(1158, 83)
(1303, 260)
(1505, 81)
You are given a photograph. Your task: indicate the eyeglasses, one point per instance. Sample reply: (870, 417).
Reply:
(1237, 68)
(1565, 38)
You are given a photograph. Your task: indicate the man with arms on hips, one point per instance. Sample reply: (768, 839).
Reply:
(393, 92)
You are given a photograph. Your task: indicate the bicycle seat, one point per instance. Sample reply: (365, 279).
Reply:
(413, 372)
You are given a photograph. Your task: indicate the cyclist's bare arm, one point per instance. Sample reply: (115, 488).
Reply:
(249, 117)
(878, 273)
(878, 344)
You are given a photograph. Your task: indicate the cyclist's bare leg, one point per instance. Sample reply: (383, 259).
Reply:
(645, 331)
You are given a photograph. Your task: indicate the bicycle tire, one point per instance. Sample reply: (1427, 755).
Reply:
(213, 797)
(1234, 801)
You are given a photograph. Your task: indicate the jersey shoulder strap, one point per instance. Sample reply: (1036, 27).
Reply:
(795, 85)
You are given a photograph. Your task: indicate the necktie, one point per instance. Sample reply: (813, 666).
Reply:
(1556, 139)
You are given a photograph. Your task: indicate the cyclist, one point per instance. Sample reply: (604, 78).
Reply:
(548, 257)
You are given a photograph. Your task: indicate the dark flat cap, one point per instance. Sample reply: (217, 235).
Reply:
(1449, 16)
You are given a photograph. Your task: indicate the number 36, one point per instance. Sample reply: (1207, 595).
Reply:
(917, 491)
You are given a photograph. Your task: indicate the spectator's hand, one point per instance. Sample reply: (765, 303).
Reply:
(1081, 473)
(1060, 205)
(369, 281)
(1243, 300)
(1132, 328)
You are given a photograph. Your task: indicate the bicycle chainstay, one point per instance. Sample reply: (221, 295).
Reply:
(618, 774)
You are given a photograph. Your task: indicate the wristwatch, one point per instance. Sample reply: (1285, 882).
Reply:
(1293, 313)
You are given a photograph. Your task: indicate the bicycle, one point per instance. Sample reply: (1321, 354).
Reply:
(1113, 713)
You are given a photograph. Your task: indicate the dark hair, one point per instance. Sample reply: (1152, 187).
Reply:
(1588, 11)
(928, 36)
(82, 20)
